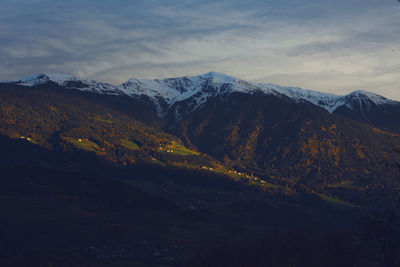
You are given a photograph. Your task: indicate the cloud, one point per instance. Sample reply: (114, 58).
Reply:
(334, 46)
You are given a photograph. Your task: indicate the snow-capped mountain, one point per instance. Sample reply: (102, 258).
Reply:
(193, 91)
(364, 100)
(68, 82)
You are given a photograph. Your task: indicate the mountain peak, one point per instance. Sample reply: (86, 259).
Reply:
(42, 78)
(218, 77)
(35, 76)
(33, 80)
(69, 82)
(358, 92)
(174, 88)
(364, 95)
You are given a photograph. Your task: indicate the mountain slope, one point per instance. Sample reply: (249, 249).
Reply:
(295, 143)
(68, 82)
(119, 129)
(182, 96)
(264, 134)
(371, 109)
(113, 216)
(175, 98)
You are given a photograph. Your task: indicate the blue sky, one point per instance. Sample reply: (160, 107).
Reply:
(333, 46)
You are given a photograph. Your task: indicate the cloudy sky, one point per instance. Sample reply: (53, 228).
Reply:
(326, 45)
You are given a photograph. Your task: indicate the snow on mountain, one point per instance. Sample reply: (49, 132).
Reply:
(32, 80)
(325, 100)
(177, 89)
(196, 90)
(200, 88)
(69, 82)
(377, 99)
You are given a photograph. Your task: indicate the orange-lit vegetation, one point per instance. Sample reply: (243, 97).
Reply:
(302, 149)
(291, 154)
(85, 144)
(129, 144)
(177, 149)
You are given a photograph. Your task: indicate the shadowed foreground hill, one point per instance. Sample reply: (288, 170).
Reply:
(140, 215)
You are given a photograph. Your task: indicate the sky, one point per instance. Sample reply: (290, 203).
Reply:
(333, 46)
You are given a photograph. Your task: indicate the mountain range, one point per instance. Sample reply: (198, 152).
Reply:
(262, 129)
(191, 150)
(186, 94)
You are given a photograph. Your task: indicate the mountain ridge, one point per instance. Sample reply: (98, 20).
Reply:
(169, 91)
